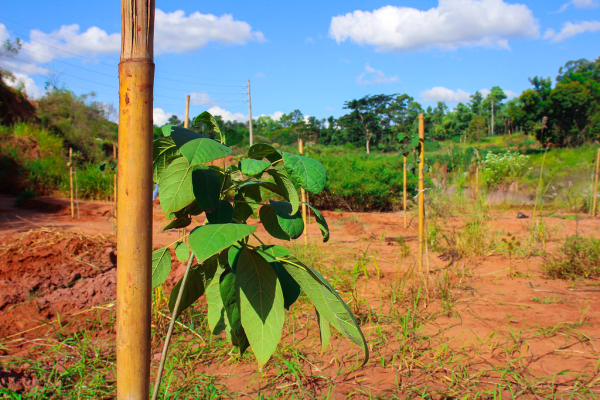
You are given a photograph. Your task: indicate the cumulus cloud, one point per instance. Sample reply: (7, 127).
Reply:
(25, 83)
(160, 116)
(450, 25)
(177, 33)
(580, 4)
(440, 93)
(372, 75)
(228, 115)
(201, 98)
(276, 116)
(571, 29)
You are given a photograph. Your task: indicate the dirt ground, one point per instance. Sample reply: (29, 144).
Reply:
(56, 271)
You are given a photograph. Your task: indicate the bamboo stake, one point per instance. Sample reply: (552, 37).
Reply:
(71, 181)
(134, 227)
(186, 122)
(303, 197)
(115, 180)
(404, 190)
(421, 189)
(596, 183)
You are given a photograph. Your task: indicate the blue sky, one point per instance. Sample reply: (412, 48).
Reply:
(312, 56)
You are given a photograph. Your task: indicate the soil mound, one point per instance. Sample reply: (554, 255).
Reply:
(49, 271)
(14, 105)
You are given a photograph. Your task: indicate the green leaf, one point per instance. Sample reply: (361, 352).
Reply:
(324, 330)
(232, 256)
(321, 222)
(241, 209)
(206, 187)
(216, 312)
(289, 287)
(209, 120)
(291, 224)
(264, 150)
(232, 137)
(161, 266)
(229, 295)
(261, 303)
(409, 166)
(178, 223)
(425, 168)
(175, 186)
(326, 300)
(208, 240)
(284, 182)
(163, 150)
(166, 130)
(268, 217)
(252, 167)
(305, 172)
(182, 251)
(223, 214)
(199, 278)
(270, 186)
(197, 148)
(414, 142)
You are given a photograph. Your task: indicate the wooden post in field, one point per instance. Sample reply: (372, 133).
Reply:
(421, 189)
(302, 197)
(134, 226)
(115, 179)
(71, 181)
(596, 183)
(186, 122)
(404, 190)
(250, 114)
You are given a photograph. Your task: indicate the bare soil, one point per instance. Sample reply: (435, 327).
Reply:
(55, 270)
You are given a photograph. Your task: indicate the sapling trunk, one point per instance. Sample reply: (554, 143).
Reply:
(404, 189)
(303, 198)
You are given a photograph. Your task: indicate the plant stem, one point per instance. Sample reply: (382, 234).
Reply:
(163, 356)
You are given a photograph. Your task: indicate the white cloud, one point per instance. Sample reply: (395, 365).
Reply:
(160, 116)
(228, 115)
(453, 24)
(571, 29)
(25, 83)
(440, 93)
(580, 4)
(276, 116)
(375, 75)
(176, 33)
(510, 94)
(201, 98)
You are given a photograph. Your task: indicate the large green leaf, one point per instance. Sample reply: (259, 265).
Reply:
(206, 187)
(163, 150)
(161, 266)
(232, 137)
(252, 167)
(305, 172)
(166, 130)
(291, 224)
(321, 222)
(261, 303)
(209, 120)
(216, 312)
(264, 150)
(180, 222)
(229, 295)
(268, 217)
(241, 209)
(182, 251)
(232, 256)
(290, 288)
(284, 182)
(208, 240)
(326, 300)
(197, 148)
(324, 330)
(222, 214)
(175, 186)
(199, 278)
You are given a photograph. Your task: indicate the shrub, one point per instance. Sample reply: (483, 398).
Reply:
(578, 257)
(498, 168)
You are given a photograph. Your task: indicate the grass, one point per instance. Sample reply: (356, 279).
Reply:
(579, 257)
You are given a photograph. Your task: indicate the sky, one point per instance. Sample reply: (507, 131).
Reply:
(309, 55)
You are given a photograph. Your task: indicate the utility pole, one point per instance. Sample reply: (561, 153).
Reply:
(134, 225)
(186, 123)
(250, 112)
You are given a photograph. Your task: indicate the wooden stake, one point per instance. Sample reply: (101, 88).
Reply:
(404, 191)
(186, 122)
(303, 198)
(115, 180)
(71, 181)
(596, 183)
(134, 226)
(421, 189)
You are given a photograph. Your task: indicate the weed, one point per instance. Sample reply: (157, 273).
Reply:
(24, 196)
(578, 257)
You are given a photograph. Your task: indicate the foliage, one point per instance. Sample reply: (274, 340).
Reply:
(579, 257)
(247, 287)
(498, 168)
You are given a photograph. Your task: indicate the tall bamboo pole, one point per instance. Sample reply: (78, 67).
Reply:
(186, 122)
(596, 183)
(134, 226)
(421, 189)
(115, 180)
(303, 198)
(71, 181)
(404, 190)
